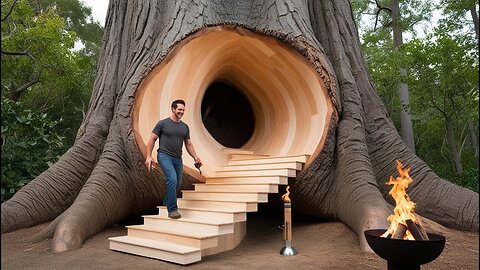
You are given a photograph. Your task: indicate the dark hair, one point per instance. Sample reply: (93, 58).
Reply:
(176, 102)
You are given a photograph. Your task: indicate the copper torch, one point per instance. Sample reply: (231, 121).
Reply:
(288, 249)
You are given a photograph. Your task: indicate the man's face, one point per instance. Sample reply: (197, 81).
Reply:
(179, 111)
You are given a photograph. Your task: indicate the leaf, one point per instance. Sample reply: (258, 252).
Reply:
(22, 119)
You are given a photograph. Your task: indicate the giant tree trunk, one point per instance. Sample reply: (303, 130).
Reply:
(155, 51)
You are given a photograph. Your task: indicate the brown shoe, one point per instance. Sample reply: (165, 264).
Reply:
(174, 214)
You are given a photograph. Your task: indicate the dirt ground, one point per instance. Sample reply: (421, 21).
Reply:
(320, 245)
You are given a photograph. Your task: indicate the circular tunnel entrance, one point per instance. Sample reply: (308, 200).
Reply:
(242, 90)
(227, 115)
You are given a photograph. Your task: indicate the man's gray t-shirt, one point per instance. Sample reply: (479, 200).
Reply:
(171, 135)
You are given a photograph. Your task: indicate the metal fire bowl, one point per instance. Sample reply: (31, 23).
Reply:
(405, 252)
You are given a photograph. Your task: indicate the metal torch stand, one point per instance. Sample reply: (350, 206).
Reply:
(288, 249)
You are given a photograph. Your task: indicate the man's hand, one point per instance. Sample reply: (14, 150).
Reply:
(148, 163)
(198, 162)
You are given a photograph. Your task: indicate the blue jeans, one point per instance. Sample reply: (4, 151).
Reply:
(172, 168)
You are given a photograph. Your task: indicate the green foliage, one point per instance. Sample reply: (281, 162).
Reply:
(78, 19)
(30, 142)
(457, 14)
(413, 13)
(444, 70)
(383, 62)
(53, 78)
(48, 81)
(442, 78)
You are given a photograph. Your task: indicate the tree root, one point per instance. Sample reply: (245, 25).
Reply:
(53, 191)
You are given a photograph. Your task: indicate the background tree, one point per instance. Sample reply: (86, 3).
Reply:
(430, 131)
(443, 72)
(45, 75)
(396, 17)
(39, 64)
(460, 18)
(457, 13)
(101, 179)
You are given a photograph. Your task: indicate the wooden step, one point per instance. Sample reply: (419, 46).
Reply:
(237, 188)
(279, 180)
(269, 160)
(156, 249)
(246, 156)
(187, 224)
(265, 166)
(237, 151)
(207, 215)
(228, 241)
(217, 205)
(225, 197)
(214, 214)
(266, 172)
(188, 238)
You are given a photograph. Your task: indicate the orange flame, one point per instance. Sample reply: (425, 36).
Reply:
(404, 206)
(285, 197)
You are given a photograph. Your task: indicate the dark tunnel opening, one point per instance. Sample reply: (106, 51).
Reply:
(227, 115)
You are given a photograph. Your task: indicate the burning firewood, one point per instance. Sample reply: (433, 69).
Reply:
(403, 223)
(423, 231)
(416, 230)
(399, 232)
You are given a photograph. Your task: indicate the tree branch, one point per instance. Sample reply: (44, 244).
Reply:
(380, 8)
(11, 31)
(9, 11)
(455, 105)
(29, 54)
(463, 140)
(436, 106)
(14, 94)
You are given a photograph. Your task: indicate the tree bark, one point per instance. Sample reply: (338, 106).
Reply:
(471, 133)
(473, 12)
(457, 160)
(102, 180)
(405, 116)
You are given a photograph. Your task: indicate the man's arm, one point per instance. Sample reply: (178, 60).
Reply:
(150, 144)
(191, 150)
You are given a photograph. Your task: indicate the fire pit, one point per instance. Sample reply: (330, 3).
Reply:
(406, 244)
(405, 254)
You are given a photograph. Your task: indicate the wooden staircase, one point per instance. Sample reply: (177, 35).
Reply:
(214, 215)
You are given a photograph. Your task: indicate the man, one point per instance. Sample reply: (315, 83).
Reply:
(172, 133)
